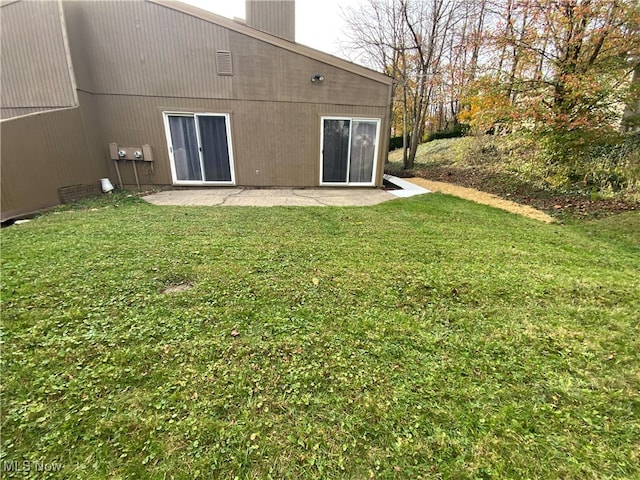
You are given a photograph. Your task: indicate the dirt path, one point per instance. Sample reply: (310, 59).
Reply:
(482, 197)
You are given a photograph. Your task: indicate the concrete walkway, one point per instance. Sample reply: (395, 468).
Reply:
(269, 197)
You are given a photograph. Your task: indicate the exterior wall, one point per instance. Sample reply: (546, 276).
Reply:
(47, 139)
(277, 17)
(41, 153)
(132, 73)
(132, 61)
(266, 72)
(36, 73)
(139, 48)
(279, 140)
(123, 48)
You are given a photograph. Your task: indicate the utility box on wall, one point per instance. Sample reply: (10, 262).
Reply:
(141, 154)
(132, 154)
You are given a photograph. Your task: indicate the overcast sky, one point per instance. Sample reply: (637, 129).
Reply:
(318, 22)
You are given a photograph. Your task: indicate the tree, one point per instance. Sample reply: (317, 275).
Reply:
(428, 24)
(405, 39)
(569, 59)
(542, 65)
(376, 34)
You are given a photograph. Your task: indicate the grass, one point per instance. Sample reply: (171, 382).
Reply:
(448, 151)
(421, 338)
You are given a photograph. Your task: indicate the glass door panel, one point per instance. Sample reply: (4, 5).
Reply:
(349, 150)
(185, 148)
(363, 148)
(215, 148)
(200, 148)
(335, 150)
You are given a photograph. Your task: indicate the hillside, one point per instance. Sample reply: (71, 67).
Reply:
(511, 168)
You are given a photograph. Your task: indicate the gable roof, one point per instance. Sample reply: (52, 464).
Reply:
(274, 40)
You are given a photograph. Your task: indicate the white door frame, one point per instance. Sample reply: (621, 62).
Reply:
(195, 115)
(347, 183)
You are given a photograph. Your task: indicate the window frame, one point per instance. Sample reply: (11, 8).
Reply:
(195, 115)
(374, 170)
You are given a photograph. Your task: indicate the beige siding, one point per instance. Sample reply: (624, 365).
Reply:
(91, 119)
(138, 59)
(80, 47)
(277, 17)
(258, 35)
(40, 153)
(18, 111)
(266, 72)
(140, 48)
(35, 74)
(274, 143)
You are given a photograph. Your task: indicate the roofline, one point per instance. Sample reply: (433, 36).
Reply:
(274, 40)
(4, 3)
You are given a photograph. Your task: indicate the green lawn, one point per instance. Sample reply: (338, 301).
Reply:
(421, 338)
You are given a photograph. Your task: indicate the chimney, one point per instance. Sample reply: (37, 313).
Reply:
(277, 17)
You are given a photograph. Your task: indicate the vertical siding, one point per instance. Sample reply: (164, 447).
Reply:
(80, 44)
(140, 48)
(35, 73)
(274, 143)
(92, 125)
(133, 122)
(41, 153)
(267, 72)
(277, 17)
(138, 59)
(18, 111)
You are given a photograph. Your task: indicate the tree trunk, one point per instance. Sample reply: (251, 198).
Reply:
(418, 123)
(631, 116)
(404, 123)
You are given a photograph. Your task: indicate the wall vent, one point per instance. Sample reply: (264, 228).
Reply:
(223, 62)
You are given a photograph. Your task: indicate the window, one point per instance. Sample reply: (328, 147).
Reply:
(349, 151)
(199, 148)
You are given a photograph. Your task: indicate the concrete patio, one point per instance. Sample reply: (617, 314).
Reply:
(271, 197)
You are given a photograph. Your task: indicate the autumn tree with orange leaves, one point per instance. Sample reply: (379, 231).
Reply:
(502, 65)
(563, 64)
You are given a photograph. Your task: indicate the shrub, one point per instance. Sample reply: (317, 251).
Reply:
(397, 170)
(396, 142)
(459, 130)
(591, 160)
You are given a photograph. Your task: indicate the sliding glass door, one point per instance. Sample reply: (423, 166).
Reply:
(349, 151)
(199, 148)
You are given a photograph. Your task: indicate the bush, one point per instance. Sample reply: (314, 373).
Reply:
(398, 170)
(614, 166)
(460, 130)
(591, 160)
(396, 142)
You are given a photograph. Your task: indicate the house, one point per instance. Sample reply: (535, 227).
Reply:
(213, 101)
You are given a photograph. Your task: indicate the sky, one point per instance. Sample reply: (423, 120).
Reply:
(318, 22)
